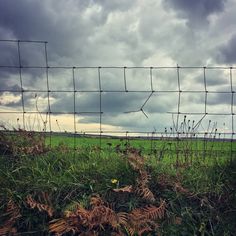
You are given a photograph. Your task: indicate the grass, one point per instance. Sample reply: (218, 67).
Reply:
(199, 194)
(146, 145)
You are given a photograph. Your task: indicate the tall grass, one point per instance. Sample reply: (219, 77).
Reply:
(199, 195)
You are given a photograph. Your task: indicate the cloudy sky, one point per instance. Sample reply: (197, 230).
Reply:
(118, 33)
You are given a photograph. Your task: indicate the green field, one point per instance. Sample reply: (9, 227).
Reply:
(172, 187)
(166, 148)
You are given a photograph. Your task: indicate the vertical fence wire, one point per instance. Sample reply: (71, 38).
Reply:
(232, 112)
(205, 90)
(74, 109)
(151, 79)
(48, 95)
(179, 99)
(21, 83)
(151, 87)
(100, 108)
(205, 113)
(125, 83)
(177, 119)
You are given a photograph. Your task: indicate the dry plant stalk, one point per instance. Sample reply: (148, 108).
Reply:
(12, 213)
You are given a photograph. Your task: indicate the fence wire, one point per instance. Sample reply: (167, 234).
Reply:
(181, 129)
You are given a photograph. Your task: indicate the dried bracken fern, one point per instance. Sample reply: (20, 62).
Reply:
(101, 216)
(96, 201)
(145, 193)
(12, 214)
(174, 183)
(142, 220)
(141, 189)
(33, 144)
(21, 142)
(40, 206)
(96, 219)
(136, 161)
(89, 221)
(63, 226)
(126, 189)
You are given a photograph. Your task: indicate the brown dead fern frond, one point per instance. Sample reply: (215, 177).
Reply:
(173, 182)
(12, 214)
(142, 189)
(101, 216)
(86, 221)
(139, 227)
(22, 142)
(136, 161)
(96, 201)
(144, 177)
(81, 213)
(63, 226)
(144, 219)
(123, 218)
(40, 206)
(73, 222)
(180, 189)
(126, 189)
(153, 212)
(145, 193)
(149, 212)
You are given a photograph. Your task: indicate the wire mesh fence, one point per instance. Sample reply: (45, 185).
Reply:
(129, 104)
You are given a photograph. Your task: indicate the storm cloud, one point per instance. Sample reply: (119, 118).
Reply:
(227, 52)
(196, 12)
(129, 33)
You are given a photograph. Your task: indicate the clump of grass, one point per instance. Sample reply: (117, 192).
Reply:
(21, 142)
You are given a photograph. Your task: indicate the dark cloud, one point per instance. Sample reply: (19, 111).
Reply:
(67, 32)
(120, 109)
(132, 122)
(9, 54)
(227, 52)
(196, 12)
(113, 33)
(9, 81)
(221, 98)
(116, 5)
(214, 99)
(89, 102)
(214, 79)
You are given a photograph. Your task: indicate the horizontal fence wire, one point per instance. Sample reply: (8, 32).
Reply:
(179, 131)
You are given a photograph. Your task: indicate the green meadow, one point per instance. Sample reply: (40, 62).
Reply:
(143, 143)
(126, 187)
